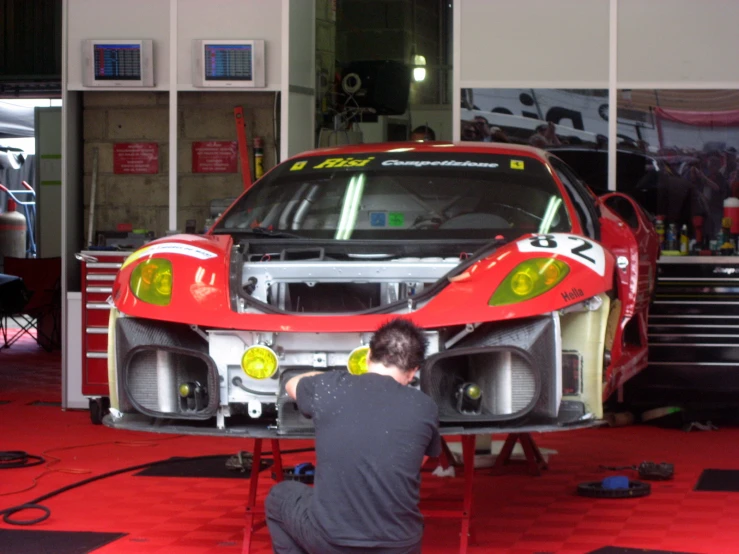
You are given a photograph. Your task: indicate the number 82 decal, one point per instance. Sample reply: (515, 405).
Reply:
(574, 247)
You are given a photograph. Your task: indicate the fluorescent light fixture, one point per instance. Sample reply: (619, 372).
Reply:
(419, 72)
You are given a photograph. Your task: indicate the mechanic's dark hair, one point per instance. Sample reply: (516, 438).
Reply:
(398, 343)
(428, 132)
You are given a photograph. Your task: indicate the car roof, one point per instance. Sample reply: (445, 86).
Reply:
(435, 147)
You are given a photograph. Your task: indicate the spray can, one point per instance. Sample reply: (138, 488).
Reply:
(672, 237)
(659, 225)
(684, 240)
(258, 157)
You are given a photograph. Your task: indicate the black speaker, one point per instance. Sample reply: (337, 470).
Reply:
(382, 86)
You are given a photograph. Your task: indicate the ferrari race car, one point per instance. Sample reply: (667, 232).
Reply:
(533, 292)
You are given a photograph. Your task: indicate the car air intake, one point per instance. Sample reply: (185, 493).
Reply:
(289, 418)
(502, 372)
(164, 371)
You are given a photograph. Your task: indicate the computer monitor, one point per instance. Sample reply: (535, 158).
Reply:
(118, 63)
(228, 63)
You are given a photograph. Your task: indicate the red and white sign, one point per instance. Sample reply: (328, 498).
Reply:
(214, 157)
(136, 157)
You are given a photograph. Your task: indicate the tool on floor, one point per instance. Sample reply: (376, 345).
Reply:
(650, 471)
(617, 486)
(303, 473)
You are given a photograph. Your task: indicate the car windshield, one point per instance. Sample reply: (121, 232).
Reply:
(401, 196)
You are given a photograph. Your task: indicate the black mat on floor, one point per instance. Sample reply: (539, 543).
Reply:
(18, 541)
(212, 466)
(621, 550)
(42, 403)
(4, 401)
(718, 480)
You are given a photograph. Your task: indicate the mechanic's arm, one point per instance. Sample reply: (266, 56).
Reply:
(291, 387)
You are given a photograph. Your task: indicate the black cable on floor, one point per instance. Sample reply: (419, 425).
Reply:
(35, 503)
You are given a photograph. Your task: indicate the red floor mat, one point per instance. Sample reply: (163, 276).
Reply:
(513, 513)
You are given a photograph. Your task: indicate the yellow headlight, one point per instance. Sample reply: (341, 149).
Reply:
(151, 281)
(522, 282)
(357, 363)
(259, 362)
(529, 279)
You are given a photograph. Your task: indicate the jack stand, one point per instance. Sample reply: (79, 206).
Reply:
(251, 505)
(534, 462)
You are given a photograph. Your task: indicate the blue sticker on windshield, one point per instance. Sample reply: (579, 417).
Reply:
(378, 219)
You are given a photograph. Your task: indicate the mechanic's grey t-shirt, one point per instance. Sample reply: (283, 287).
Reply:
(371, 436)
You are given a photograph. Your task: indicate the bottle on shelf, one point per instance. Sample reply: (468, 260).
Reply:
(659, 225)
(684, 240)
(725, 245)
(671, 238)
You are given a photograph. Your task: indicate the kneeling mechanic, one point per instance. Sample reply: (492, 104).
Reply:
(372, 432)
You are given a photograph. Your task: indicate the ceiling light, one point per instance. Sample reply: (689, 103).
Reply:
(419, 71)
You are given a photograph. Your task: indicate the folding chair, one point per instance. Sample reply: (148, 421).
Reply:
(41, 278)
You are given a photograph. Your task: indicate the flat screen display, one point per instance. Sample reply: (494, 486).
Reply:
(228, 62)
(117, 62)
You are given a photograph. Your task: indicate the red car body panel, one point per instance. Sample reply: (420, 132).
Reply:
(200, 294)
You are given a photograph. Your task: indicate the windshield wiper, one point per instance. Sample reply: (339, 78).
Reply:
(264, 232)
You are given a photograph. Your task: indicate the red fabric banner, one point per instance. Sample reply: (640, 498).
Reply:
(727, 118)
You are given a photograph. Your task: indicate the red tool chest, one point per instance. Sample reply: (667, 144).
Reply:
(98, 272)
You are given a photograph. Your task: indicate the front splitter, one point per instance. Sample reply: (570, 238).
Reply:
(142, 423)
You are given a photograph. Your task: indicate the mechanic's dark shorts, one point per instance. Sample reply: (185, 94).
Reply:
(292, 530)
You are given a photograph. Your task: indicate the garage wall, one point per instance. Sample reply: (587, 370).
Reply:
(229, 19)
(96, 19)
(210, 117)
(118, 117)
(568, 43)
(174, 110)
(142, 200)
(537, 41)
(671, 41)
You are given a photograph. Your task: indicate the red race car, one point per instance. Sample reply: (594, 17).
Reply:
(533, 292)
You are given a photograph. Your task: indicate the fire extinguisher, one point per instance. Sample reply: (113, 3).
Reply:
(258, 157)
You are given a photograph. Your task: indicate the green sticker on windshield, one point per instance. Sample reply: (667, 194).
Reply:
(395, 219)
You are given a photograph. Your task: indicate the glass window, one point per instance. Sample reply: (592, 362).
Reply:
(580, 197)
(404, 195)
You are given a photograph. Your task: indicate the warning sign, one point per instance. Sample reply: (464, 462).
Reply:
(214, 157)
(136, 157)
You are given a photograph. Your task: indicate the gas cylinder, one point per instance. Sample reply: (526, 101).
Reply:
(12, 233)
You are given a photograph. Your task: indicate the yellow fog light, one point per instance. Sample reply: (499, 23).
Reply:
(185, 390)
(528, 280)
(151, 281)
(357, 363)
(259, 362)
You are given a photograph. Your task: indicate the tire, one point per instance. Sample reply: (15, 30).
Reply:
(98, 409)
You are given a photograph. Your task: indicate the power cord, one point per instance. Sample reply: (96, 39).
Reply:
(35, 504)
